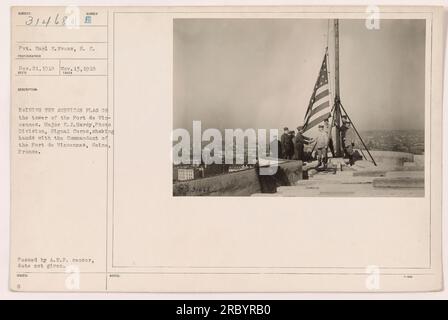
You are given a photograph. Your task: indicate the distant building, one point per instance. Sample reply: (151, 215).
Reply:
(185, 174)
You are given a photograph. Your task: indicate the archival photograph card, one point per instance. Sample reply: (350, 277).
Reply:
(226, 149)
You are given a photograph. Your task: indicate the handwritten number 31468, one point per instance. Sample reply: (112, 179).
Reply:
(50, 20)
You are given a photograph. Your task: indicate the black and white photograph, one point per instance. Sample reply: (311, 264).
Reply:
(299, 107)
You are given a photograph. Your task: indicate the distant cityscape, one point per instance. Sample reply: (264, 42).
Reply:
(185, 172)
(410, 141)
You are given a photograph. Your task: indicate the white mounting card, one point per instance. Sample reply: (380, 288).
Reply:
(186, 149)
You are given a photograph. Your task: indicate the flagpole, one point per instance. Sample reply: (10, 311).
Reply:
(337, 109)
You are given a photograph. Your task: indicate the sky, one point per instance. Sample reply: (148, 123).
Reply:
(260, 73)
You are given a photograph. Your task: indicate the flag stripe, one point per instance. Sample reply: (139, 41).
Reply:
(316, 121)
(321, 95)
(320, 107)
(322, 88)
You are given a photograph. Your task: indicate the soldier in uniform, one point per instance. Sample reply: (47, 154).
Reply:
(299, 144)
(287, 145)
(321, 146)
(348, 141)
(293, 136)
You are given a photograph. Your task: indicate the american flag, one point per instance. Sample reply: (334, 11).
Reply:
(319, 105)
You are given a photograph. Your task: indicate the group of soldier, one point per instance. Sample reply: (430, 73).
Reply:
(292, 144)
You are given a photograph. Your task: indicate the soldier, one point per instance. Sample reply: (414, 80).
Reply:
(348, 141)
(321, 146)
(299, 144)
(343, 129)
(293, 138)
(287, 145)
